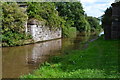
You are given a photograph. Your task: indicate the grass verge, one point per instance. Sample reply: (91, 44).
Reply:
(99, 60)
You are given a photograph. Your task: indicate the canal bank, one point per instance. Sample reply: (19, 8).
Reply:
(22, 60)
(99, 60)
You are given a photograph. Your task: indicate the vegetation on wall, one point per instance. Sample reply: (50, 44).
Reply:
(45, 12)
(14, 18)
(68, 15)
(13, 22)
(48, 13)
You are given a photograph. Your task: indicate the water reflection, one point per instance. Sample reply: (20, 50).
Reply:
(40, 51)
(23, 59)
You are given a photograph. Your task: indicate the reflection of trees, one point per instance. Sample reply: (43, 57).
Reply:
(67, 43)
(81, 40)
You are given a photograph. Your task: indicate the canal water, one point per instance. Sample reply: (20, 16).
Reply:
(21, 60)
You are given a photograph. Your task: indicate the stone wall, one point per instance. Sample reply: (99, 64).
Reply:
(115, 28)
(41, 32)
(107, 32)
(112, 31)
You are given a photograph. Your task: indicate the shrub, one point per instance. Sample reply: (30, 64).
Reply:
(13, 39)
(14, 18)
(13, 29)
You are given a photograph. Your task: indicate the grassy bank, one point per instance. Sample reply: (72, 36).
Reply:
(99, 60)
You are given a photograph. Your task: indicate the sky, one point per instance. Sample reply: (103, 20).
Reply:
(96, 8)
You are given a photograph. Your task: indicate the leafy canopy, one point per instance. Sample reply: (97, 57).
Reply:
(45, 12)
(73, 13)
(14, 18)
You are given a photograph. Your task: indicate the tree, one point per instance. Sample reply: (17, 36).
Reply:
(45, 12)
(94, 23)
(73, 12)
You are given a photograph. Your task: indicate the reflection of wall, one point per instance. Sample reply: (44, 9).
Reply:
(16, 60)
(42, 50)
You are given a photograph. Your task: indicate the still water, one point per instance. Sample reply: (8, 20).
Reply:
(21, 60)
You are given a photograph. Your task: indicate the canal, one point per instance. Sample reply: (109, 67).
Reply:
(21, 60)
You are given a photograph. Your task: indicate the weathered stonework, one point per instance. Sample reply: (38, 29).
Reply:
(38, 31)
(115, 28)
(107, 32)
(41, 32)
(112, 31)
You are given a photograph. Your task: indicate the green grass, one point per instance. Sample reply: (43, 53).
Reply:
(99, 60)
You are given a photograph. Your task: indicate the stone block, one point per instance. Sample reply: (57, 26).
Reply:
(44, 33)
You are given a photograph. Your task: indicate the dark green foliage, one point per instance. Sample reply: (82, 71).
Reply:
(13, 23)
(45, 12)
(68, 15)
(1, 17)
(73, 12)
(13, 39)
(94, 23)
(13, 18)
(69, 31)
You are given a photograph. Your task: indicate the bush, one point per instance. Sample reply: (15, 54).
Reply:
(14, 18)
(69, 32)
(73, 13)
(13, 29)
(13, 39)
(94, 23)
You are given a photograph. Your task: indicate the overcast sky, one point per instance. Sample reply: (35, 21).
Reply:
(96, 7)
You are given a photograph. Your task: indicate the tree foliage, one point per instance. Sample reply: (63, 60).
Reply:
(94, 23)
(68, 15)
(45, 12)
(73, 13)
(13, 22)
(13, 18)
